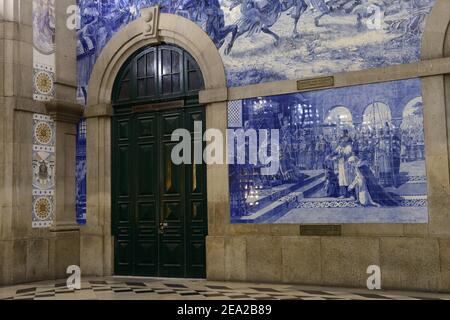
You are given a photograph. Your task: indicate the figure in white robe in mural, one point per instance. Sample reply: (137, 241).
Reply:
(342, 153)
(359, 184)
(367, 189)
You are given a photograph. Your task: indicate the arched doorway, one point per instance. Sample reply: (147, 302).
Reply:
(159, 213)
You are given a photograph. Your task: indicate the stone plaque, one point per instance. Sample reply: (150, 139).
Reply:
(315, 83)
(321, 230)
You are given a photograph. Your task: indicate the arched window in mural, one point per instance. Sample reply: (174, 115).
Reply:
(339, 116)
(412, 118)
(338, 119)
(413, 141)
(377, 116)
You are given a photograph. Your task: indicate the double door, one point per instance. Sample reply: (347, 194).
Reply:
(159, 208)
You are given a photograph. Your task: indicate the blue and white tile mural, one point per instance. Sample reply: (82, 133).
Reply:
(267, 40)
(347, 155)
(80, 175)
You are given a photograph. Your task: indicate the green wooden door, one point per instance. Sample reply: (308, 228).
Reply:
(159, 208)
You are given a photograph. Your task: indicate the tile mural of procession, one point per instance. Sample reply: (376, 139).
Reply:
(268, 40)
(348, 155)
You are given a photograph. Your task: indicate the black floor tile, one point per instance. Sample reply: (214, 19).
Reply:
(265, 289)
(135, 284)
(174, 285)
(144, 291)
(25, 290)
(98, 282)
(189, 293)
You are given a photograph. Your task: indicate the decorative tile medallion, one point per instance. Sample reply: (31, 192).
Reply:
(43, 49)
(43, 171)
(43, 82)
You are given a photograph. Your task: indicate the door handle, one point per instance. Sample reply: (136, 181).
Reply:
(162, 226)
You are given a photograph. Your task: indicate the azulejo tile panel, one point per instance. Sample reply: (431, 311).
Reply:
(80, 176)
(267, 40)
(44, 169)
(43, 49)
(347, 155)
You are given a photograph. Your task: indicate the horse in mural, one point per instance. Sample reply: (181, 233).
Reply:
(210, 15)
(257, 16)
(363, 9)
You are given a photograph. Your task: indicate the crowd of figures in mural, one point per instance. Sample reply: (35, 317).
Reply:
(266, 40)
(358, 163)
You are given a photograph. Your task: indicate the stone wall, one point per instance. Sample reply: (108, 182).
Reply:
(410, 256)
(28, 254)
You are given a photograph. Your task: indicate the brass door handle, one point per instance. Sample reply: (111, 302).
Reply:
(162, 226)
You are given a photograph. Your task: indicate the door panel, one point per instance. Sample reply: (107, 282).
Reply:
(172, 174)
(196, 212)
(159, 208)
(172, 237)
(122, 206)
(145, 195)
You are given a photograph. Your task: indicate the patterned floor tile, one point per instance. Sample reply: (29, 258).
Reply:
(168, 289)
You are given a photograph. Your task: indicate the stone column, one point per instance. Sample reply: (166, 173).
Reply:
(16, 106)
(65, 57)
(65, 244)
(96, 240)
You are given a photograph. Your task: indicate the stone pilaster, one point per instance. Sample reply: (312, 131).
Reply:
(96, 240)
(65, 231)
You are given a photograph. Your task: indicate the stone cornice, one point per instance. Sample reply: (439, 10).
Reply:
(97, 111)
(424, 68)
(64, 111)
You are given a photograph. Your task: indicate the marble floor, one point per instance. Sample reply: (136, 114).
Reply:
(132, 288)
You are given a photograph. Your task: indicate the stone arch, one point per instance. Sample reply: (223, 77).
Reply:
(413, 102)
(96, 245)
(378, 104)
(435, 45)
(435, 33)
(172, 29)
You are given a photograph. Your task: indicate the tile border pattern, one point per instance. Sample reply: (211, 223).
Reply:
(44, 159)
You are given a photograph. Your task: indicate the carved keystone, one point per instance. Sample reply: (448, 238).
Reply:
(150, 17)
